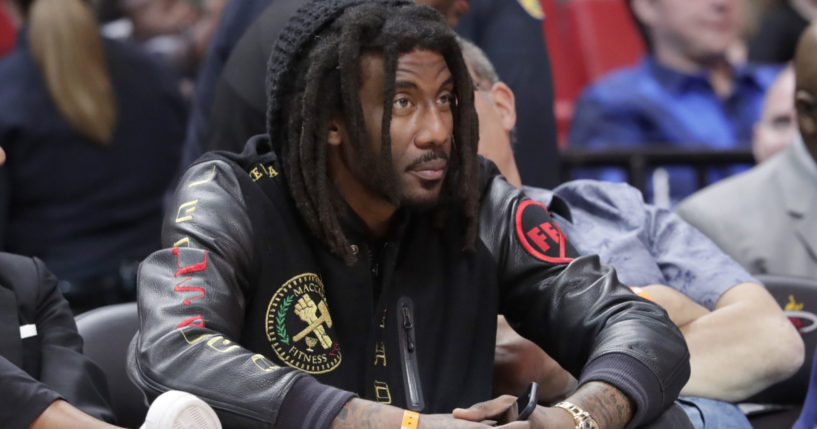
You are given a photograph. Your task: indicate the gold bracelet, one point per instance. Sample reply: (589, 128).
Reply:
(411, 420)
(581, 418)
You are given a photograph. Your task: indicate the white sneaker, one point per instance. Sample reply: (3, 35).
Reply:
(180, 410)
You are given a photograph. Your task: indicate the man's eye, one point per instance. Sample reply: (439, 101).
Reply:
(402, 103)
(448, 99)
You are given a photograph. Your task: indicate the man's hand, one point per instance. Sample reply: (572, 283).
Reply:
(542, 417)
(608, 406)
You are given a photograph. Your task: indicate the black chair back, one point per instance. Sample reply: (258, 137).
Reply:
(797, 296)
(107, 331)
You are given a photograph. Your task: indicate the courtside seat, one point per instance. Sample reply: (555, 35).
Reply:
(797, 296)
(106, 332)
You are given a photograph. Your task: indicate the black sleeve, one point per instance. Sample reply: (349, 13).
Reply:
(24, 398)
(192, 298)
(63, 366)
(576, 309)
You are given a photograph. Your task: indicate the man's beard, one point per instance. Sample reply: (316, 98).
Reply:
(379, 175)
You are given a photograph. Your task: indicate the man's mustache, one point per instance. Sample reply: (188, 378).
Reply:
(427, 157)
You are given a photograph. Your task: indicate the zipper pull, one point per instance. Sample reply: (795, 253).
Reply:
(408, 326)
(408, 355)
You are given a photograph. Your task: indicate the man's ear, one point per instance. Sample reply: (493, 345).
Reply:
(806, 106)
(505, 103)
(337, 129)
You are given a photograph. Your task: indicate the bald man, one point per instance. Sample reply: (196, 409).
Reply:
(766, 218)
(725, 316)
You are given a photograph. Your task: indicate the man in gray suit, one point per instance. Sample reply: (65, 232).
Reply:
(766, 218)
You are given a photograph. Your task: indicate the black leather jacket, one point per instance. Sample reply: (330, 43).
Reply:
(246, 309)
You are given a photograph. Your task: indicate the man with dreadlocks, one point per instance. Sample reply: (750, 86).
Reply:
(351, 263)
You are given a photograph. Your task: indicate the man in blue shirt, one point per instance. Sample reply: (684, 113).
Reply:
(685, 92)
(726, 317)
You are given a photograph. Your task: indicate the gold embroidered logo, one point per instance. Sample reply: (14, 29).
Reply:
(261, 171)
(299, 326)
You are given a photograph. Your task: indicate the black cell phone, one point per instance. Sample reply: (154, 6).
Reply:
(526, 402)
(521, 409)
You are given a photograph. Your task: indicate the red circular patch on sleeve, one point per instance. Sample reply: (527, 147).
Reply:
(539, 235)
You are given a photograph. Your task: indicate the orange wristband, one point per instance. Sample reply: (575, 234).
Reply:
(640, 292)
(410, 420)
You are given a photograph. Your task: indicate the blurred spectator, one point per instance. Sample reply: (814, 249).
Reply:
(92, 129)
(510, 33)
(702, 289)
(685, 92)
(766, 218)
(178, 31)
(777, 126)
(108, 10)
(780, 29)
(235, 19)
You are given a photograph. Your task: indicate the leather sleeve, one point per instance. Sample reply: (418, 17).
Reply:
(192, 299)
(576, 309)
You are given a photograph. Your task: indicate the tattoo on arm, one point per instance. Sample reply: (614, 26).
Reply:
(611, 408)
(362, 414)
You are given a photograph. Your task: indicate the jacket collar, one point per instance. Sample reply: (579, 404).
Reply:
(358, 232)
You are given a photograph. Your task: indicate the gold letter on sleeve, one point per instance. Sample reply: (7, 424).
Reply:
(207, 179)
(263, 363)
(381, 392)
(188, 208)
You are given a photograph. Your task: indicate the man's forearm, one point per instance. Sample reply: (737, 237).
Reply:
(681, 309)
(363, 414)
(61, 414)
(608, 406)
(741, 347)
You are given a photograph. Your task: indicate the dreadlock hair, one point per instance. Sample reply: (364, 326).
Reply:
(314, 71)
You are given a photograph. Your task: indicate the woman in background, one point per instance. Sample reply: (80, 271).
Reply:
(92, 130)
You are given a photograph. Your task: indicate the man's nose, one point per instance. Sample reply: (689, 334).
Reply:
(435, 127)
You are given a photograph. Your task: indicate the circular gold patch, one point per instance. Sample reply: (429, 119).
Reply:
(299, 326)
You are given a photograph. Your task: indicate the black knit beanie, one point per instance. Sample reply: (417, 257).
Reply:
(296, 37)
